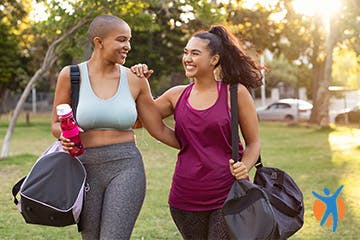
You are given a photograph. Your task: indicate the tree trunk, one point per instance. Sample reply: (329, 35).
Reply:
(4, 101)
(323, 94)
(15, 115)
(49, 60)
(317, 73)
(317, 68)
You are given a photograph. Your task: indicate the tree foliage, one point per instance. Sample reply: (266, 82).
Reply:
(13, 62)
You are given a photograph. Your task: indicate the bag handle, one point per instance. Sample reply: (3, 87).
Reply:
(235, 124)
(75, 87)
(16, 189)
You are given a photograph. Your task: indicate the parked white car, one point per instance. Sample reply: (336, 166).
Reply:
(288, 109)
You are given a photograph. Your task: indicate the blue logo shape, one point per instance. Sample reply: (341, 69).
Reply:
(330, 202)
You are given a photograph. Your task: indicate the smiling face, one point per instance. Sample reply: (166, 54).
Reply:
(197, 59)
(115, 44)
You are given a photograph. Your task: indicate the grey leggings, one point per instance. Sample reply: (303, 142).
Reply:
(116, 177)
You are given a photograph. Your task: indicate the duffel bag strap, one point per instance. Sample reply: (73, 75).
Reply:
(234, 121)
(282, 206)
(16, 189)
(234, 125)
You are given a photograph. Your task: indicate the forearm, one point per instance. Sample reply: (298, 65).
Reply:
(250, 155)
(165, 135)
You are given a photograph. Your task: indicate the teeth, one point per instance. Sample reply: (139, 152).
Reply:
(189, 67)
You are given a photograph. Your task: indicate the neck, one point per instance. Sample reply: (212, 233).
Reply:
(101, 65)
(204, 82)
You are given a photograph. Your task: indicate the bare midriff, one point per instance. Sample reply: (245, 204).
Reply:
(95, 138)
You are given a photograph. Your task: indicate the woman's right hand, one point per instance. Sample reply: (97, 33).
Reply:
(238, 169)
(66, 143)
(141, 70)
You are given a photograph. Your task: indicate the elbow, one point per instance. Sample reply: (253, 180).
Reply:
(55, 130)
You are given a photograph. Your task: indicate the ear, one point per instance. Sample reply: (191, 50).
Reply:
(214, 60)
(98, 42)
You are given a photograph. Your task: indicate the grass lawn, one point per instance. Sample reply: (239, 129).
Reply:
(314, 158)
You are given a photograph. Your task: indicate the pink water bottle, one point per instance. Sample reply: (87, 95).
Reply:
(69, 128)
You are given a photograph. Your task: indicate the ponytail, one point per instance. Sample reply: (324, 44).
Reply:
(236, 65)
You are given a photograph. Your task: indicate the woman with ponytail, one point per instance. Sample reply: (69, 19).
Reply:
(202, 178)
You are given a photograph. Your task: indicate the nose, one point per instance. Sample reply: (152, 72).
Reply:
(186, 58)
(127, 46)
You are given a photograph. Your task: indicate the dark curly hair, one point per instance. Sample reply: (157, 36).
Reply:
(236, 65)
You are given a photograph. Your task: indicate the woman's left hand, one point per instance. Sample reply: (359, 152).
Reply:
(141, 70)
(238, 169)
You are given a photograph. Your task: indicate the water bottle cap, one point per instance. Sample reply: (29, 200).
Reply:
(63, 109)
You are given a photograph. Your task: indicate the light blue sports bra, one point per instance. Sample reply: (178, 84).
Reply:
(118, 112)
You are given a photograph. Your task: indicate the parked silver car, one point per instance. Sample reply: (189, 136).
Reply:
(288, 109)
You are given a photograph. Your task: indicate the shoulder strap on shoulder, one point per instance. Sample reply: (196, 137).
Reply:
(234, 121)
(234, 125)
(75, 87)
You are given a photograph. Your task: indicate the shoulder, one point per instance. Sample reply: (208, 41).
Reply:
(245, 99)
(133, 79)
(172, 95)
(244, 95)
(65, 72)
(242, 89)
(177, 90)
(64, 76)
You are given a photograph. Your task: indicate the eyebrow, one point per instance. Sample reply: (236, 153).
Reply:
(123, 36)
(192, 50)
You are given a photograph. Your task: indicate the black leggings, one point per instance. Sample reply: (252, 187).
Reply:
(202, 225)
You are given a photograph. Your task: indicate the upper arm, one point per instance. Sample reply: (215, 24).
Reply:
(147, 110)
(247, 116)
(62, 91)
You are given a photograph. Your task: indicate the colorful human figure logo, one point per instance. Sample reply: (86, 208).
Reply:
(329, 209)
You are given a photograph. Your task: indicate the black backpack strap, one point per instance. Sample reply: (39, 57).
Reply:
(75, 87)
(16, 189)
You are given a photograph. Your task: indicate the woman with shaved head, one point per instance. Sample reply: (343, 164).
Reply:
(111, 98)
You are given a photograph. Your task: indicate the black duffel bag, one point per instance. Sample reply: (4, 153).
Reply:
(248, 213)
(270, 208)
(285, 197)
(52, 193)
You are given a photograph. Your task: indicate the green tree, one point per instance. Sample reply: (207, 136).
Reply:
(10, 63)
(13, 62)
(289, 73)
(346, 68)
(161, 46)
(316, 43)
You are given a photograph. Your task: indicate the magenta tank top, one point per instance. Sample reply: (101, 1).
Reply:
(202, 178)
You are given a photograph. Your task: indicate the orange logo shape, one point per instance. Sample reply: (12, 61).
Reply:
(319, 210)
(329, 209)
